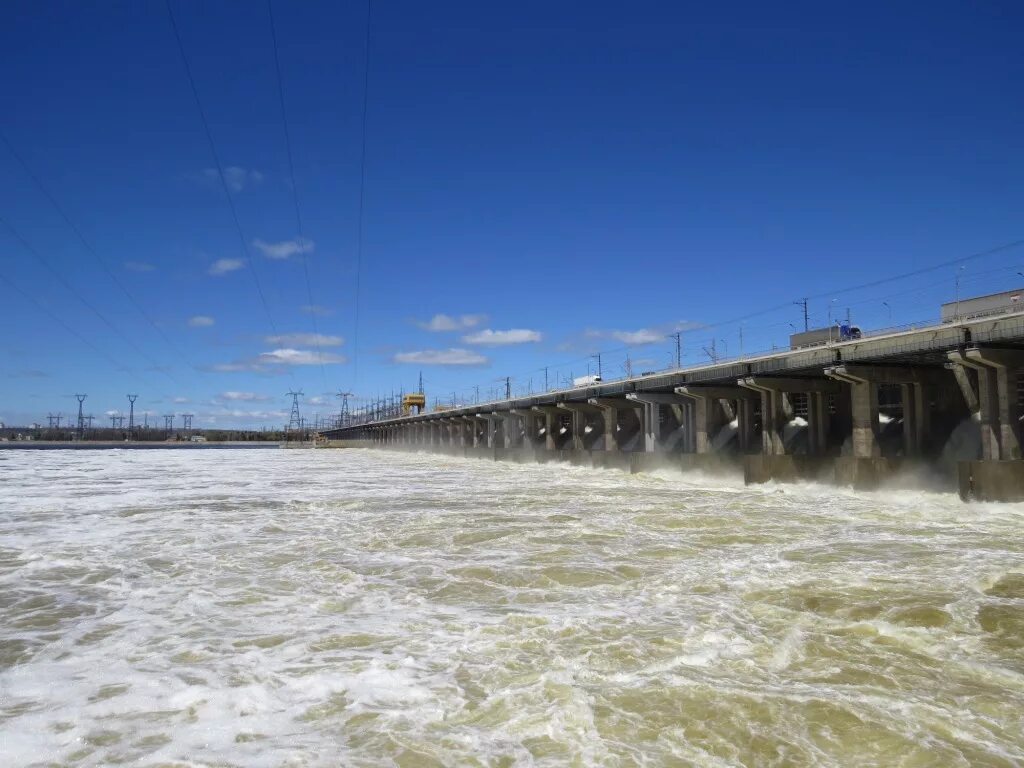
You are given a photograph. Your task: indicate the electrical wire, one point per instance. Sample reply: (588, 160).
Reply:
(295, 190)
(85, 302)
(56, 318)
(88, 247)
(220, 169)
(362, 195)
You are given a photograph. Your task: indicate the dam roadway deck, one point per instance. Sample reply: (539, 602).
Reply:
(853, 411)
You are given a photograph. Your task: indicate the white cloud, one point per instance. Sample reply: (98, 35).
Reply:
(451, 323)
(235, 367)
(225, 413)
(441, 357)
(272, 362)
(245, 397)
(316, 309)
(305, 340)
(641, 336)
(179, 400)
(200, 321)
(488, 337)
(284, 249)
(630, 338)
(288, 356)
(138, 266)
(235, 177)
(645, 335)
(223, 266)
(687, 325)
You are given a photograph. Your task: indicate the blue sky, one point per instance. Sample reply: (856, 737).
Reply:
(543, 181)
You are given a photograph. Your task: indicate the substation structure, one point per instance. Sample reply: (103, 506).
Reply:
(946, 399)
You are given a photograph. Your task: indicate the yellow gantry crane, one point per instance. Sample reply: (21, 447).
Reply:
(417, 400)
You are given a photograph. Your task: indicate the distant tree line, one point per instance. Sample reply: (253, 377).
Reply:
(142, 434)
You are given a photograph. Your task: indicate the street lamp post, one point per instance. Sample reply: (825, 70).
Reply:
(959, 272)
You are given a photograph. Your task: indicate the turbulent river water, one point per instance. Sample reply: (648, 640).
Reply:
(356, 608)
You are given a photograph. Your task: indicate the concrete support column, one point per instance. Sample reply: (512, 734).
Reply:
(616, 437)
(773, 418)
(1004, 366)
(656, 436)
(527, 426)
(651, 426)
(864, 408)
(707, 416)
(776, 410)
(552, 423)
(493, 431)
(773, 415)
(983, 402)
(703, 423)
(915, 418)
(916, 385)
(611, 426)
(817, 423)
(864, 399)
(509, 428)
(581, 414)
(579, 430)
(745, 421)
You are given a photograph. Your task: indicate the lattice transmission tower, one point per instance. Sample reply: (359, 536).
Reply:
(295, 419)
(343, 416)
(81, 418)
(131, 415)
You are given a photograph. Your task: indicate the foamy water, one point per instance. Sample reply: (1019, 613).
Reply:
(326, 608)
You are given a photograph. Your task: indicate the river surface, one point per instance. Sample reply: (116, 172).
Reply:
(357, 608)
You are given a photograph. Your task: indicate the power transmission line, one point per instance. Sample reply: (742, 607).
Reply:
(362, 193)
(87, 246)
(70, 329)
(85, 302)
(220, 169)
(295, 190)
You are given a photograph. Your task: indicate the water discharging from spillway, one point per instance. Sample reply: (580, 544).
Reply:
(324, 608)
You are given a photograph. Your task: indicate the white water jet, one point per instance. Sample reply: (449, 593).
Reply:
(964, 443)
(725, 435)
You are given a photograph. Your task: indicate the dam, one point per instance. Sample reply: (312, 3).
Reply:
(853, 411)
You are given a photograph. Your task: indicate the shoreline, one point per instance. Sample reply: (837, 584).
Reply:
(86, 445)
